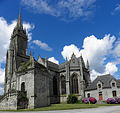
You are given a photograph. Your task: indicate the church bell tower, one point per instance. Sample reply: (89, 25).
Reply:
(17, 48)
(19, 38)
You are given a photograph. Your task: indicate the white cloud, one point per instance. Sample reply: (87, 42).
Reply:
(94, 74)
(76, 8)
(96, 51)
(41, 6)
(6, 30)
(117, 50)
(5, 33)
(111, 68)
(28, 28)
(52, 59)
(65, 9)
(2, 77)
(69, 50)
(42, 45)
(117, 9)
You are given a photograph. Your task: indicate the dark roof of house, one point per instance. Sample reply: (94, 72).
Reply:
(105, 80)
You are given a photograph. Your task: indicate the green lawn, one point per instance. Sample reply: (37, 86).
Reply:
(66, 107)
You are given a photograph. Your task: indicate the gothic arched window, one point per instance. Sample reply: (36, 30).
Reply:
(74, 84)
(55, 91)
(63, 85)
(23, 86)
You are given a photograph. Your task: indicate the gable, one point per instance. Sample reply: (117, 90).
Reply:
(74, 61)
(40, 61)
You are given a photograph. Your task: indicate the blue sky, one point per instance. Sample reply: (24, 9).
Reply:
(57, 28)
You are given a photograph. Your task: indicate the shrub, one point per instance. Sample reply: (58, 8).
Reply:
(92, 100)
(86, 100)
(117, 100)
(111, 101)
(80, 101)
(72, 99)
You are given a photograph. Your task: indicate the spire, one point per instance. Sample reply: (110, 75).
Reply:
(81, 57)
(31, 56)
(19, 21)
(46, 61)
(73, 55)
(31, 59)
(87, 66)
(82, 61)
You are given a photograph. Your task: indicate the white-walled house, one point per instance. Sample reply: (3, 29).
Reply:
(104, 87)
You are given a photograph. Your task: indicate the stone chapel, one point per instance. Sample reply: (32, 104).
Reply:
(31, 83)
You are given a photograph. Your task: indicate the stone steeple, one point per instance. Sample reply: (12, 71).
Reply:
(18, 46)
(19, 21)
(19, 38)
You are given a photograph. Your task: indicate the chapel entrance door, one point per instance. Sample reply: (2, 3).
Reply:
(100, 96)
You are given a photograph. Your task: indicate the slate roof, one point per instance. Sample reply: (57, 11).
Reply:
(105, 79)
(56, 67)
(118, 83)
(63, 64)
(53, 66)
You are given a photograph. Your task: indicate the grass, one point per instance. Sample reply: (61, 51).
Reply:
(65, 107)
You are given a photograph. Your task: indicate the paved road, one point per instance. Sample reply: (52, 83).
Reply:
(110, 109)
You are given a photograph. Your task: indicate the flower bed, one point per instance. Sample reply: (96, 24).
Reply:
(86, 100)
(113, 100)
(118, 100)
(91, 100)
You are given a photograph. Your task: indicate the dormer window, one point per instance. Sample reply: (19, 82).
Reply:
(113, 84)
(99, 85)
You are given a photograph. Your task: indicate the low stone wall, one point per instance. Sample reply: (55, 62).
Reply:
(63, 98)
(8, 102)
(54, 99)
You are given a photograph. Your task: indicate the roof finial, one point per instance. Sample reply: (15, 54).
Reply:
(81, 54)
(66, 59)
(87, 66)
(30, 53)
(73, 55)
